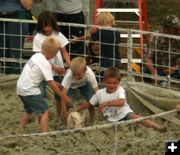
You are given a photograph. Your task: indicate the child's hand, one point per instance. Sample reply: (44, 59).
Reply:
(74, 39)
(101, 108)
(65, 98)
(59, 85)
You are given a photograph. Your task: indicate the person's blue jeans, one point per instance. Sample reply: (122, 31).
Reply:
(12, 41)
(175, 75)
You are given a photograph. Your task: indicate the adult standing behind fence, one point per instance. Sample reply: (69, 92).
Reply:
(70, 11)
(11, 33)
(162, 56)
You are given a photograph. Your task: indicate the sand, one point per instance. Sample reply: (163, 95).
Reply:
(128, 140)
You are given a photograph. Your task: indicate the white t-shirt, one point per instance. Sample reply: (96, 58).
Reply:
(39, 39)
(115, 113)
(36, 69)
(70, 82)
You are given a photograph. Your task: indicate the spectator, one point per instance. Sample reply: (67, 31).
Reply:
(93, 52)
(11, 38)
(157, 58)
(70, 11)
(109, 40)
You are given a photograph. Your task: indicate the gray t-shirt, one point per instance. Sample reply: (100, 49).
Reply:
(67, 6)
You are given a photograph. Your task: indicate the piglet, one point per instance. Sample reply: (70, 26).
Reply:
(75, 120)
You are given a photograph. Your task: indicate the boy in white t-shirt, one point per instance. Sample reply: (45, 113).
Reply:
(112, 101)
(37, 69)
(81, 77)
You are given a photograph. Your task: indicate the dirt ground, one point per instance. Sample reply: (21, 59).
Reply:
(128, 140)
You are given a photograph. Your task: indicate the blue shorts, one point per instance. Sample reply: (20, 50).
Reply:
(34, 103)
(127, 117)
(87, 91)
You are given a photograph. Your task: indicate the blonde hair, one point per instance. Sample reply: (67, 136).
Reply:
(78, 63)
(105, 18)
(50, 44)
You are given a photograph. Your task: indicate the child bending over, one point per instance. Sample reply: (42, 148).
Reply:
(112, 101)
(81, 77)
(37, 69)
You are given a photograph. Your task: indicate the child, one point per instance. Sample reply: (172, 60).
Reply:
(47, 26)
(81, 77)
(109, 40)
(35, 70)
(93, 52)
(112, 101)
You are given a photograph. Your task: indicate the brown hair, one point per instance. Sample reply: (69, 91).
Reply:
(46, 18)
(112, 72)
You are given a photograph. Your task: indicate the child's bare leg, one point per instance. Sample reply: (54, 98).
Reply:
(36, 119)
(24, 120)
(91, 113)
(64, 112)
(44, 121)
(149, 123)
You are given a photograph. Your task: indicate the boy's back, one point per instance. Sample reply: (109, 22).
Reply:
(36, 69)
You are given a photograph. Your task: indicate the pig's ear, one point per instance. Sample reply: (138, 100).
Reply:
(83, 116)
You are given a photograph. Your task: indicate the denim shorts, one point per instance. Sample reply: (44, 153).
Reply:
(86, 91)
(127, 117)
(34, 103)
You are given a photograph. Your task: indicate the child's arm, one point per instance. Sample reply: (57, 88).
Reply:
(81, 38)
(83, 106)
(96, 89)
(64, 112)
(58, 69)
(27, 4)
(52, 84)
(65, 55)
(112, 103)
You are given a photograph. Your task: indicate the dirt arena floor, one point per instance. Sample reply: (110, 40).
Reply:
(132, 139)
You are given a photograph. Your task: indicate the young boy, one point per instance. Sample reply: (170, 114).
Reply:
(81, 77)
(37, 69)
(112, 101)
(108, 40)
